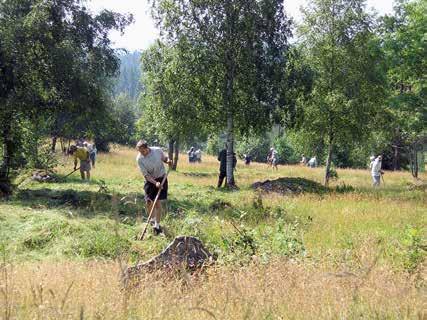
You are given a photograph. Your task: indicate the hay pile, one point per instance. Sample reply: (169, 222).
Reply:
(44, 176)
(290, 186)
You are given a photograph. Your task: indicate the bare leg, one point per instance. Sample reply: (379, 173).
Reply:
(158, 211)
(88, 175)
(148, 206)
(82, 174)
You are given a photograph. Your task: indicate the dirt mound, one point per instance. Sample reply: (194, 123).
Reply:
(44, 176)
(183, 251)
(290, 186)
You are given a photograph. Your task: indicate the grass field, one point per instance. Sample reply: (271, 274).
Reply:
(352, 252)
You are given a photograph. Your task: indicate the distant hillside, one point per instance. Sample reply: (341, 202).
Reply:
(130, 73)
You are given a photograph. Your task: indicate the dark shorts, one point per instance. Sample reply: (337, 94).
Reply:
(151, 190)
(85, 165)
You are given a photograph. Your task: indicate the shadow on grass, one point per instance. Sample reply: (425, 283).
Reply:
(199, 174)
(88, 202)
(92, 203)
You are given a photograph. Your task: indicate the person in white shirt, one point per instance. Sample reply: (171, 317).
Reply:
(92, 152)
(150, 161)
(376, 171)
(274, 159)
(312, 163)
(198, 155)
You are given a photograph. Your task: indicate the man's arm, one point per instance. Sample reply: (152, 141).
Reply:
(166, 159)
(75, 162)
(151, 180)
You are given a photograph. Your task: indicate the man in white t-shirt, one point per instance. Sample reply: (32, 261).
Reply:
(376, 171)
(312, 163)
(150, 161)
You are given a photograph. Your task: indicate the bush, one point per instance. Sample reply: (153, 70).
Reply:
(100, 240)
(256, 146)
(287, 153)
(214, 145)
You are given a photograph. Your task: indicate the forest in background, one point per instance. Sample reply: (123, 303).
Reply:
(350, 84)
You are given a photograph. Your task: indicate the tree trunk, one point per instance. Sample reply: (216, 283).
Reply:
(176, 156)
(61, 142)
(170, 150)
(396, 158)
(397, 145)
(7, 159)
(415, 162)
(230, 152)
(228, 103)
(53, 147)
(328, 161)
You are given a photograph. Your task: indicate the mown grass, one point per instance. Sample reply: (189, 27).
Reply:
(353, 252)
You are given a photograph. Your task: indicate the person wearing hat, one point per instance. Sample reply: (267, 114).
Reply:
(150, 162)
(376, 171)
(82, 154)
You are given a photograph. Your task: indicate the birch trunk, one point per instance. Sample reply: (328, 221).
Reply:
(176, 156)
(329, 160)
(230, 152)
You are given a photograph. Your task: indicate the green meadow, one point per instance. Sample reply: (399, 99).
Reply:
(351, 251)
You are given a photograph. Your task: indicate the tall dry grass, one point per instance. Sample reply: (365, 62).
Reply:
(346, 275)
(282, 289)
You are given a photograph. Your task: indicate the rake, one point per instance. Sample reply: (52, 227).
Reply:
(141, 237)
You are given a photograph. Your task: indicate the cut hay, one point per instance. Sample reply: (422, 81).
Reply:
(290, 186)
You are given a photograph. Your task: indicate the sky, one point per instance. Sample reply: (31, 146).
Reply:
(142, 33)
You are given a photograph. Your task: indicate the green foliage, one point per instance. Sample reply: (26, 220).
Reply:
(285, 239)
(255, 146)
(414, 251)
(55, 62)
(170, 105)
(287, 153)
(236, 51)
(349, 75)
(215, 144)
(98, 240)
(126, 115)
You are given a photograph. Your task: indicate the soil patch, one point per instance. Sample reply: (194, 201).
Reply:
(290, 186)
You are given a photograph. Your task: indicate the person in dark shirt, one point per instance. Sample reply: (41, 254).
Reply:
(247, 158)
(222, 158)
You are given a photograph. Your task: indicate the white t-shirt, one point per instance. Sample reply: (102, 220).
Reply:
(152, 164)
(376, 168)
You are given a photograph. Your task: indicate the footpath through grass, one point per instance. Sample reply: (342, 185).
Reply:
(340, 252)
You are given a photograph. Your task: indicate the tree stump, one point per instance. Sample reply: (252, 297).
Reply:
(182, 252)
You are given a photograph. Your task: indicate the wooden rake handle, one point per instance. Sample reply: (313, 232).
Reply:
(71, 173)
(141, 236)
